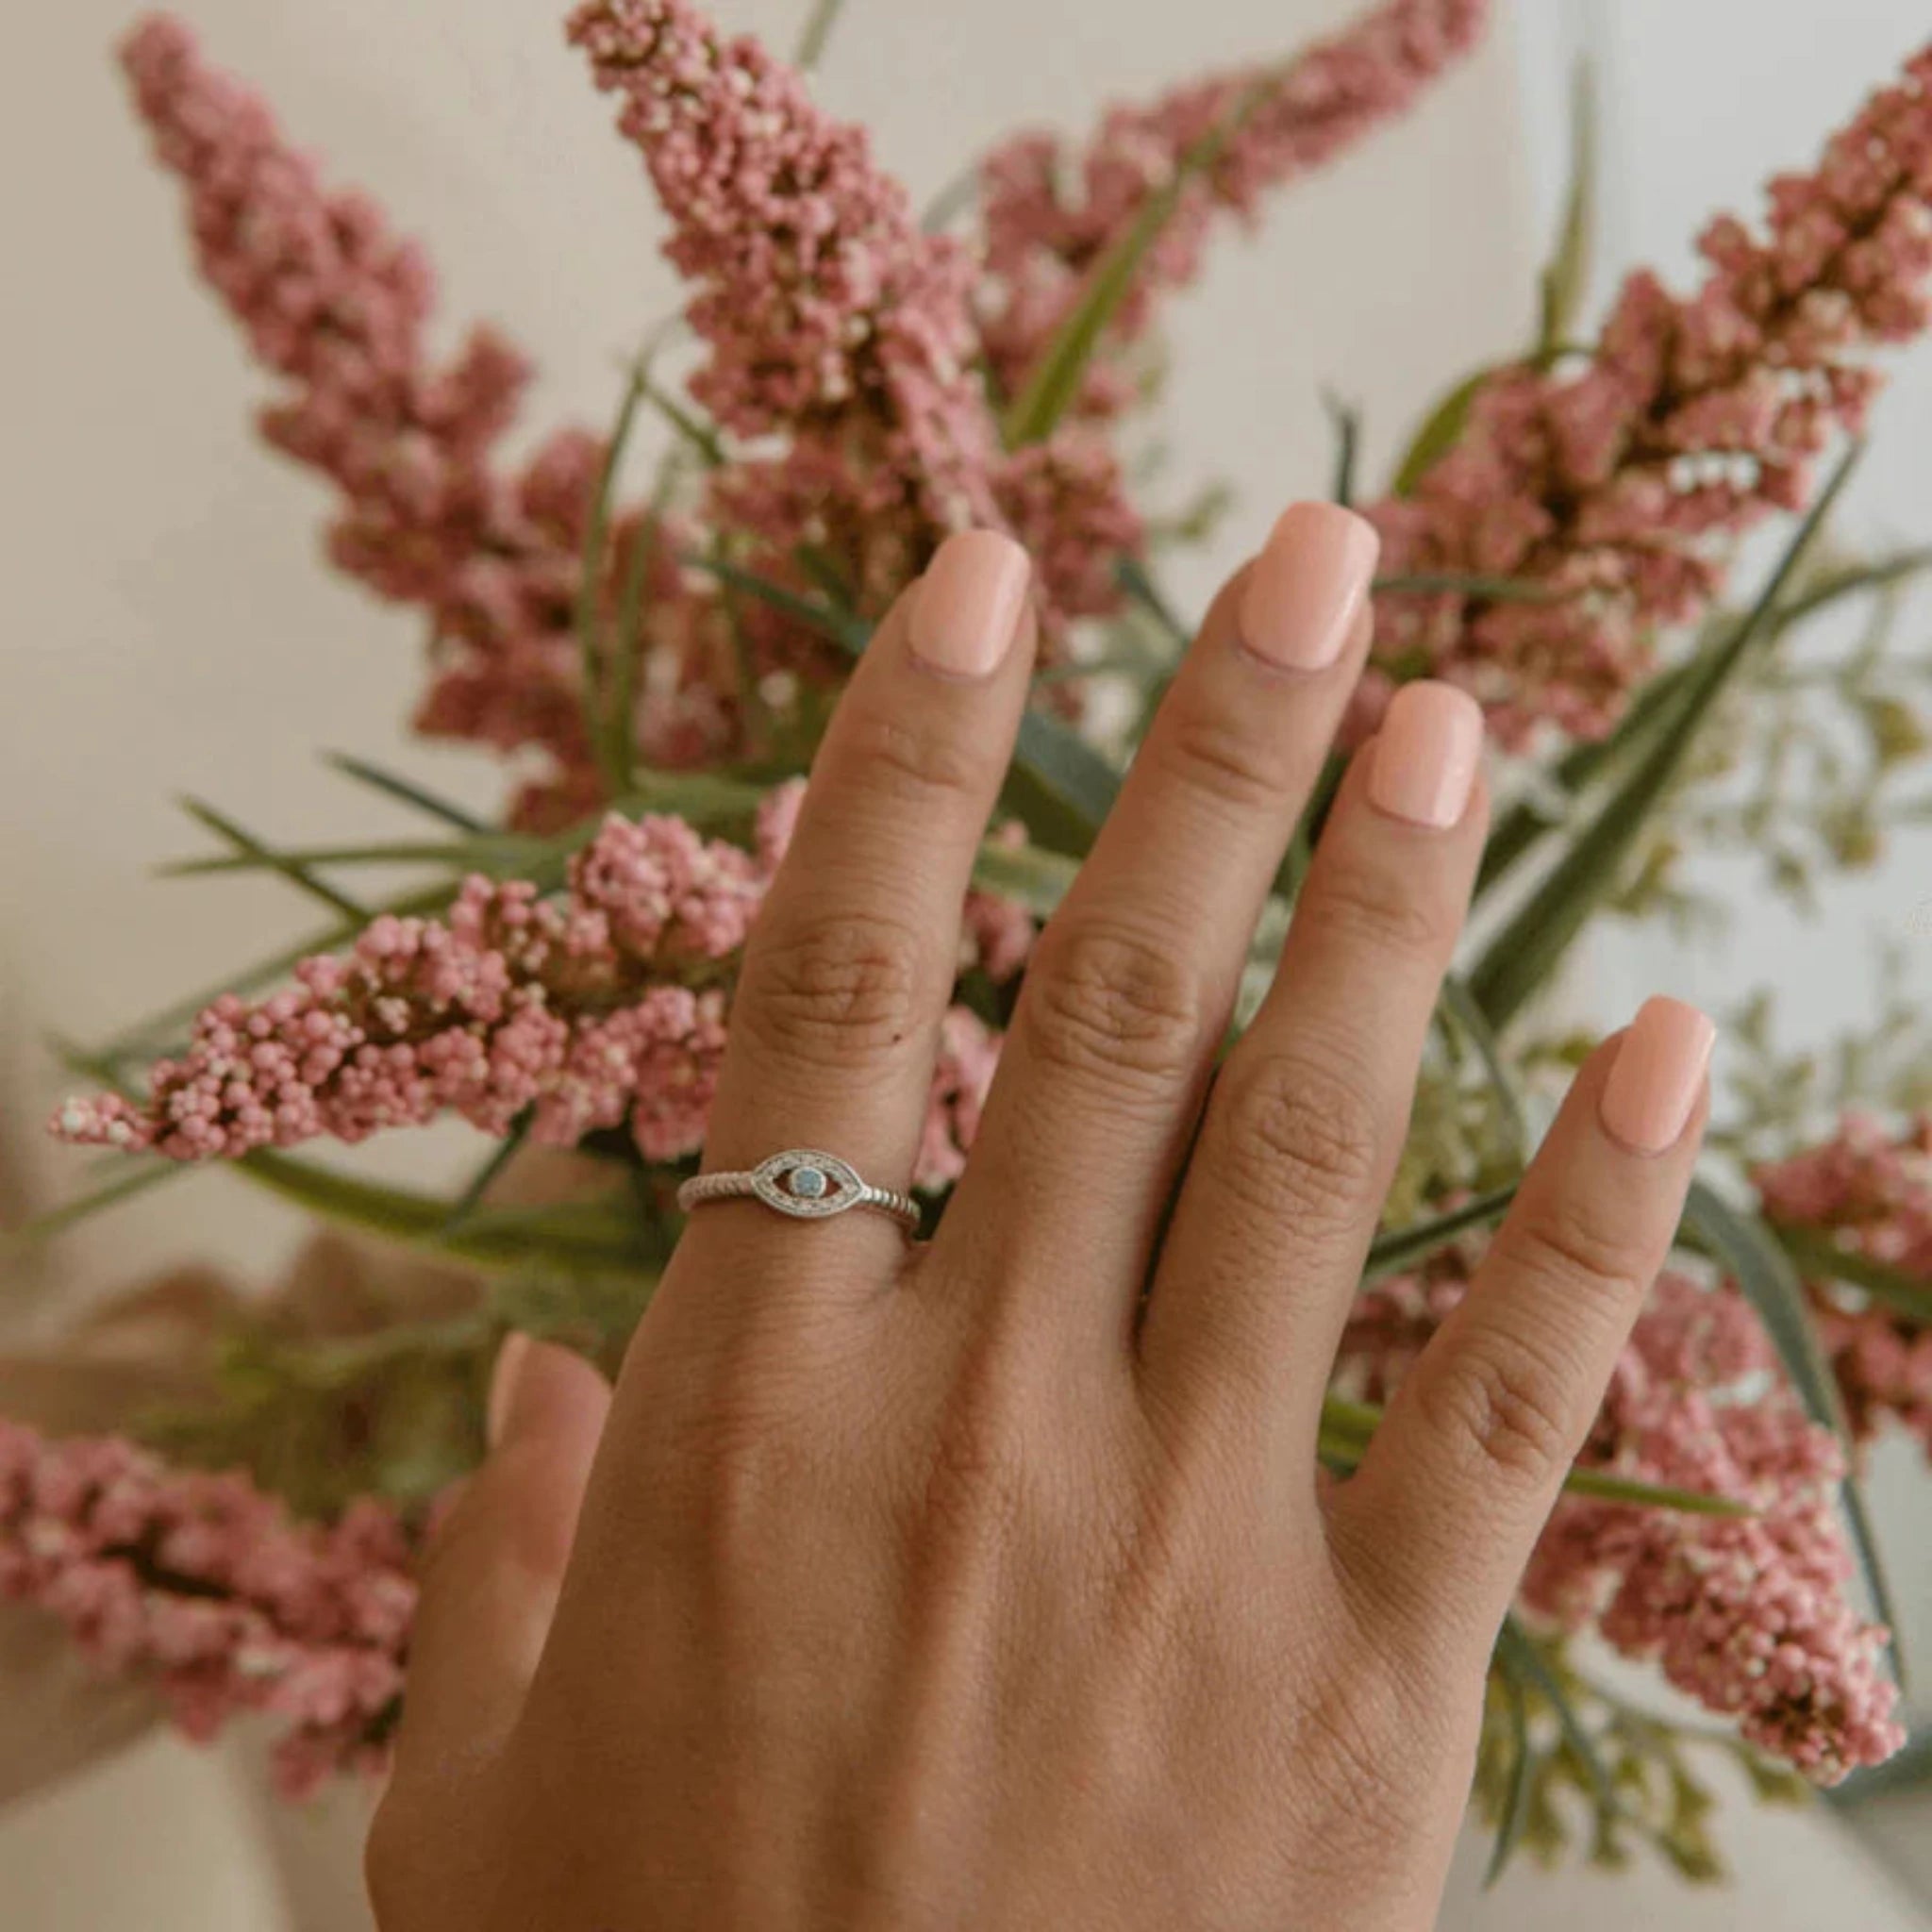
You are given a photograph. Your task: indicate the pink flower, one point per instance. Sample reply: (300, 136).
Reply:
(601, 1007)
(203, 1583)
(338, 307)
(1049, 216)
(1869, 1191)
(1620, 486)
(831, 320)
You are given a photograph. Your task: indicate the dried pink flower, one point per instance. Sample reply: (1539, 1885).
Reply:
(1620, 486)
(1870, 1191)
(339, 308)
(1049, 216)
(599, 1008)
(203, 1583)
(831, 320)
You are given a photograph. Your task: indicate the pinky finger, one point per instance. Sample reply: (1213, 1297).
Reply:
(1463, 1474)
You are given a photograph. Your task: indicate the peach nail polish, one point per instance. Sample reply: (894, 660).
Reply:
(1426, 755)
(1306, 587)
(967, 608)
(1658, 1074)
(511, 1359)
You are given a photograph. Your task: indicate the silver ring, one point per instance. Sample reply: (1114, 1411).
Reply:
(803, 1183)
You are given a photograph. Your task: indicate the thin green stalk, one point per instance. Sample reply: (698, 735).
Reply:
(818, 30)
(1525, 955)
(253, 849)
(403, 789)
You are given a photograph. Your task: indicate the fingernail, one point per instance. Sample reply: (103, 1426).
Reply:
(967, 608)
(1306, 587)
(1427, 753)
(511, 1359)
(1658, 1074)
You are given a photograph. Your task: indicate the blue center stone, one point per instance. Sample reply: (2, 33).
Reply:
(808, 1183)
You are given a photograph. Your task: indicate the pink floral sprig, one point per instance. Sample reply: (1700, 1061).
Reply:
(1750, 1615)
(1620, 486)
(1049, 215)
(829, 318)
(601, 1009)
(338, 306)
(206, 1586)
(1869, 1191)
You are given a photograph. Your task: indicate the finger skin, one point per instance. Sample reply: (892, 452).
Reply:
(496, 1566)
(1310, 1111)
(1460, 1477)
(849, 969)
(1130, 987)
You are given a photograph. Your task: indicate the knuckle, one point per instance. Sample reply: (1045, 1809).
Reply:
(833, 992)
(1299, 1139)
(1219, 756)
(1102, 999)
(912, 765)
(1580, 1248)
(1371, 909)
(1503, 1401)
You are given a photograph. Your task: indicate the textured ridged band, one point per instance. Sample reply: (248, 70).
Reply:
(804, 1183)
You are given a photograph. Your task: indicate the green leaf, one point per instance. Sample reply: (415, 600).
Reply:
(818, 30)
(1817, 1253)
(149, 1173)
(1523, 956)
(1492, 589)
(1459, 1003)
(1054, 382)
(537, 1238)
(1441, 430)
(1135, 579)
(691, 431)
(1346, 421)
(469, 1201)
(1565, 279)
(497, 852)
(1516, 1651)
(589, 612)
(1516, 1798)
(1038, 879)
(1745, 1249)
(252, 849)
(1347, 1427)
(404, 789)
(1060, 787)
(849, 633)
(1392, 1254)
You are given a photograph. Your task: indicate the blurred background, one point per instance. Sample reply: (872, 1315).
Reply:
(169, 630)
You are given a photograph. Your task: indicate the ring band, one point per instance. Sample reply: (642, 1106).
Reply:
(803, 1183)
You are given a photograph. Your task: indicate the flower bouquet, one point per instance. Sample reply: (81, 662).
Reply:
(652, 651)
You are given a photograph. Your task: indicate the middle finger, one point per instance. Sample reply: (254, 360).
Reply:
(1133, 981)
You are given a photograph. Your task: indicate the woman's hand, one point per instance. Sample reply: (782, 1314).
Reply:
(992, 1583)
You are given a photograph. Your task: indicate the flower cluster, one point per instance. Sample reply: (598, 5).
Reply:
(1618, 486)
(602, 1009)
(829, 318)
(204, 1584)
(1749, 1614)
(1870, 1193)
(1049, 216)
(338, 306)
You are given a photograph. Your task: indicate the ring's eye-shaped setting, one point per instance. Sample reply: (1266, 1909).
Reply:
(808, 1184)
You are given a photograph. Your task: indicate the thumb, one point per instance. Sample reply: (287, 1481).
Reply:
(496, 1564)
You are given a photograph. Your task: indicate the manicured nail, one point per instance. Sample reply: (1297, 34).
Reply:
(967, 608)
(1658, 1074)
(1425, 755)
(1306, 590)
(511, 1359)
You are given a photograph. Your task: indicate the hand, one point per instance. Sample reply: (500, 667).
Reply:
(992, 1583)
